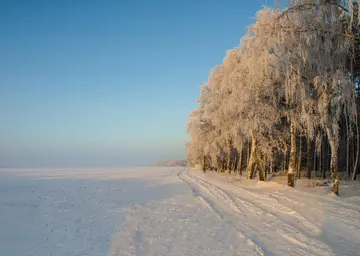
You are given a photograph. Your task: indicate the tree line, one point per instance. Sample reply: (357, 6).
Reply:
(286, 98)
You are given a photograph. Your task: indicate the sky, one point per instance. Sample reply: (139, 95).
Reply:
(107, 83)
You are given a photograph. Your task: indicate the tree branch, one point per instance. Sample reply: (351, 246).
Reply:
(303, 7)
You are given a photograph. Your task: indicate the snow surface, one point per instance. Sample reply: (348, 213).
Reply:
(171, 211)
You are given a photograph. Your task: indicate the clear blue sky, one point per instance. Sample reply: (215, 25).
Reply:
(107, 82)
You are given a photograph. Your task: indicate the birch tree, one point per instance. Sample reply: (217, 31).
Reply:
(290, 75)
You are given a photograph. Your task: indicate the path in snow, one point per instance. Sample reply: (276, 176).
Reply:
(279, 220)
(168, 211)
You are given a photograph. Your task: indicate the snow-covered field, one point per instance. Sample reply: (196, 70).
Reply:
(171, 211)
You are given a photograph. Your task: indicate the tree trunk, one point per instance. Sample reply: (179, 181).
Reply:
(320, 158)
(357, 146)
(284, 162)
(221, 165)
(228, 164)
(235, 160)
(262, 170)
(252, 161)
(347, 169)
(248, 153)
(309, 156)
(356, 124)
(315, 159)
(218, 163)
(292, 161)
(299, 158)
(204, 164)
(334, 162)
(324, 158)
(239, 164)
(353, 155)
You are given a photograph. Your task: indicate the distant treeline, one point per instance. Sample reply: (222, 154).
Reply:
(171, 163)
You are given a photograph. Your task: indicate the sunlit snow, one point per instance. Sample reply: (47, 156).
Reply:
(170, 211)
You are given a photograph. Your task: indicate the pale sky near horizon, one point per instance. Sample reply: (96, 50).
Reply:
(104, 83)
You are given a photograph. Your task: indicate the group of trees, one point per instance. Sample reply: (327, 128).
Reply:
(286, 97)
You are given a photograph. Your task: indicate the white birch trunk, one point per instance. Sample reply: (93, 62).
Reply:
(252, 161)
(333, 163)
(292, 161)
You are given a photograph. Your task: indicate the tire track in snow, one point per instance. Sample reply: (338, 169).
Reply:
(203, 200)
(290, 233)
(222, 216)
(272, 204)
(293, 236)
(290, 236)
(229, 202)
(340, 224)
(332, 211)
(329, 198)
(272, 225)
(269, 203)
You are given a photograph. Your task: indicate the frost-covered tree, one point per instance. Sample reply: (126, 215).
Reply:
(289, 77)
